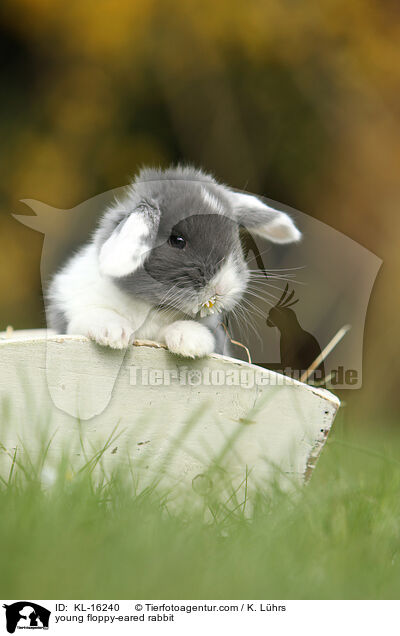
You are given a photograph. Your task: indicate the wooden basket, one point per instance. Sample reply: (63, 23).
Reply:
(187, 425)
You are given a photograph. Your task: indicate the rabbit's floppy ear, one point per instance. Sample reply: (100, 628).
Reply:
(262, 219)
(131, 242)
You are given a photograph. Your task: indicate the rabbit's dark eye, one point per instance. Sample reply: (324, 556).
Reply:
(175, 240)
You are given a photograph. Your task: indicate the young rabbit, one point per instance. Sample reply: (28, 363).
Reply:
(164, 264)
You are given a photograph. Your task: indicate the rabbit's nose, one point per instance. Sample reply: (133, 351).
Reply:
(198, 277)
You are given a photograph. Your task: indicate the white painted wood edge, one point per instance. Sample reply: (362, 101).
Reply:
(38, 335)
(298, 416)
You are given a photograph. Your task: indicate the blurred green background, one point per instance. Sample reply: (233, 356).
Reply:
(296, 101)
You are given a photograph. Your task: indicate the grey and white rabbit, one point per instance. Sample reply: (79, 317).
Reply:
(164, 264)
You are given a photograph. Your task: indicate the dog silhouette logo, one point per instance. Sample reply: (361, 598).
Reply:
(26, 615)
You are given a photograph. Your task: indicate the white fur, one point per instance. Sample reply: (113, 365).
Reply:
(104, 326)
(95, 307)
(227, 285)
(126, 249)
(211, 201)
(189, 338)
(279, 230)
(277, 227)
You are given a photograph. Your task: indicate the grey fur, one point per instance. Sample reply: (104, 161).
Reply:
(212, 235)
(55, 316)
(190, 203)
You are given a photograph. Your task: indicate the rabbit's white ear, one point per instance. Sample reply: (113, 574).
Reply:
(130, 243)
(263, 220)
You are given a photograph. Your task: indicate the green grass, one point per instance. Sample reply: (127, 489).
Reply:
(338, 538)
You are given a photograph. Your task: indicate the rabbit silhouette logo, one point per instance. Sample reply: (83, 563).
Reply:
(26, 615)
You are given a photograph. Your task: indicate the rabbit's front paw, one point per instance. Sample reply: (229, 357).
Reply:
(189, 339)
(104, 327)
